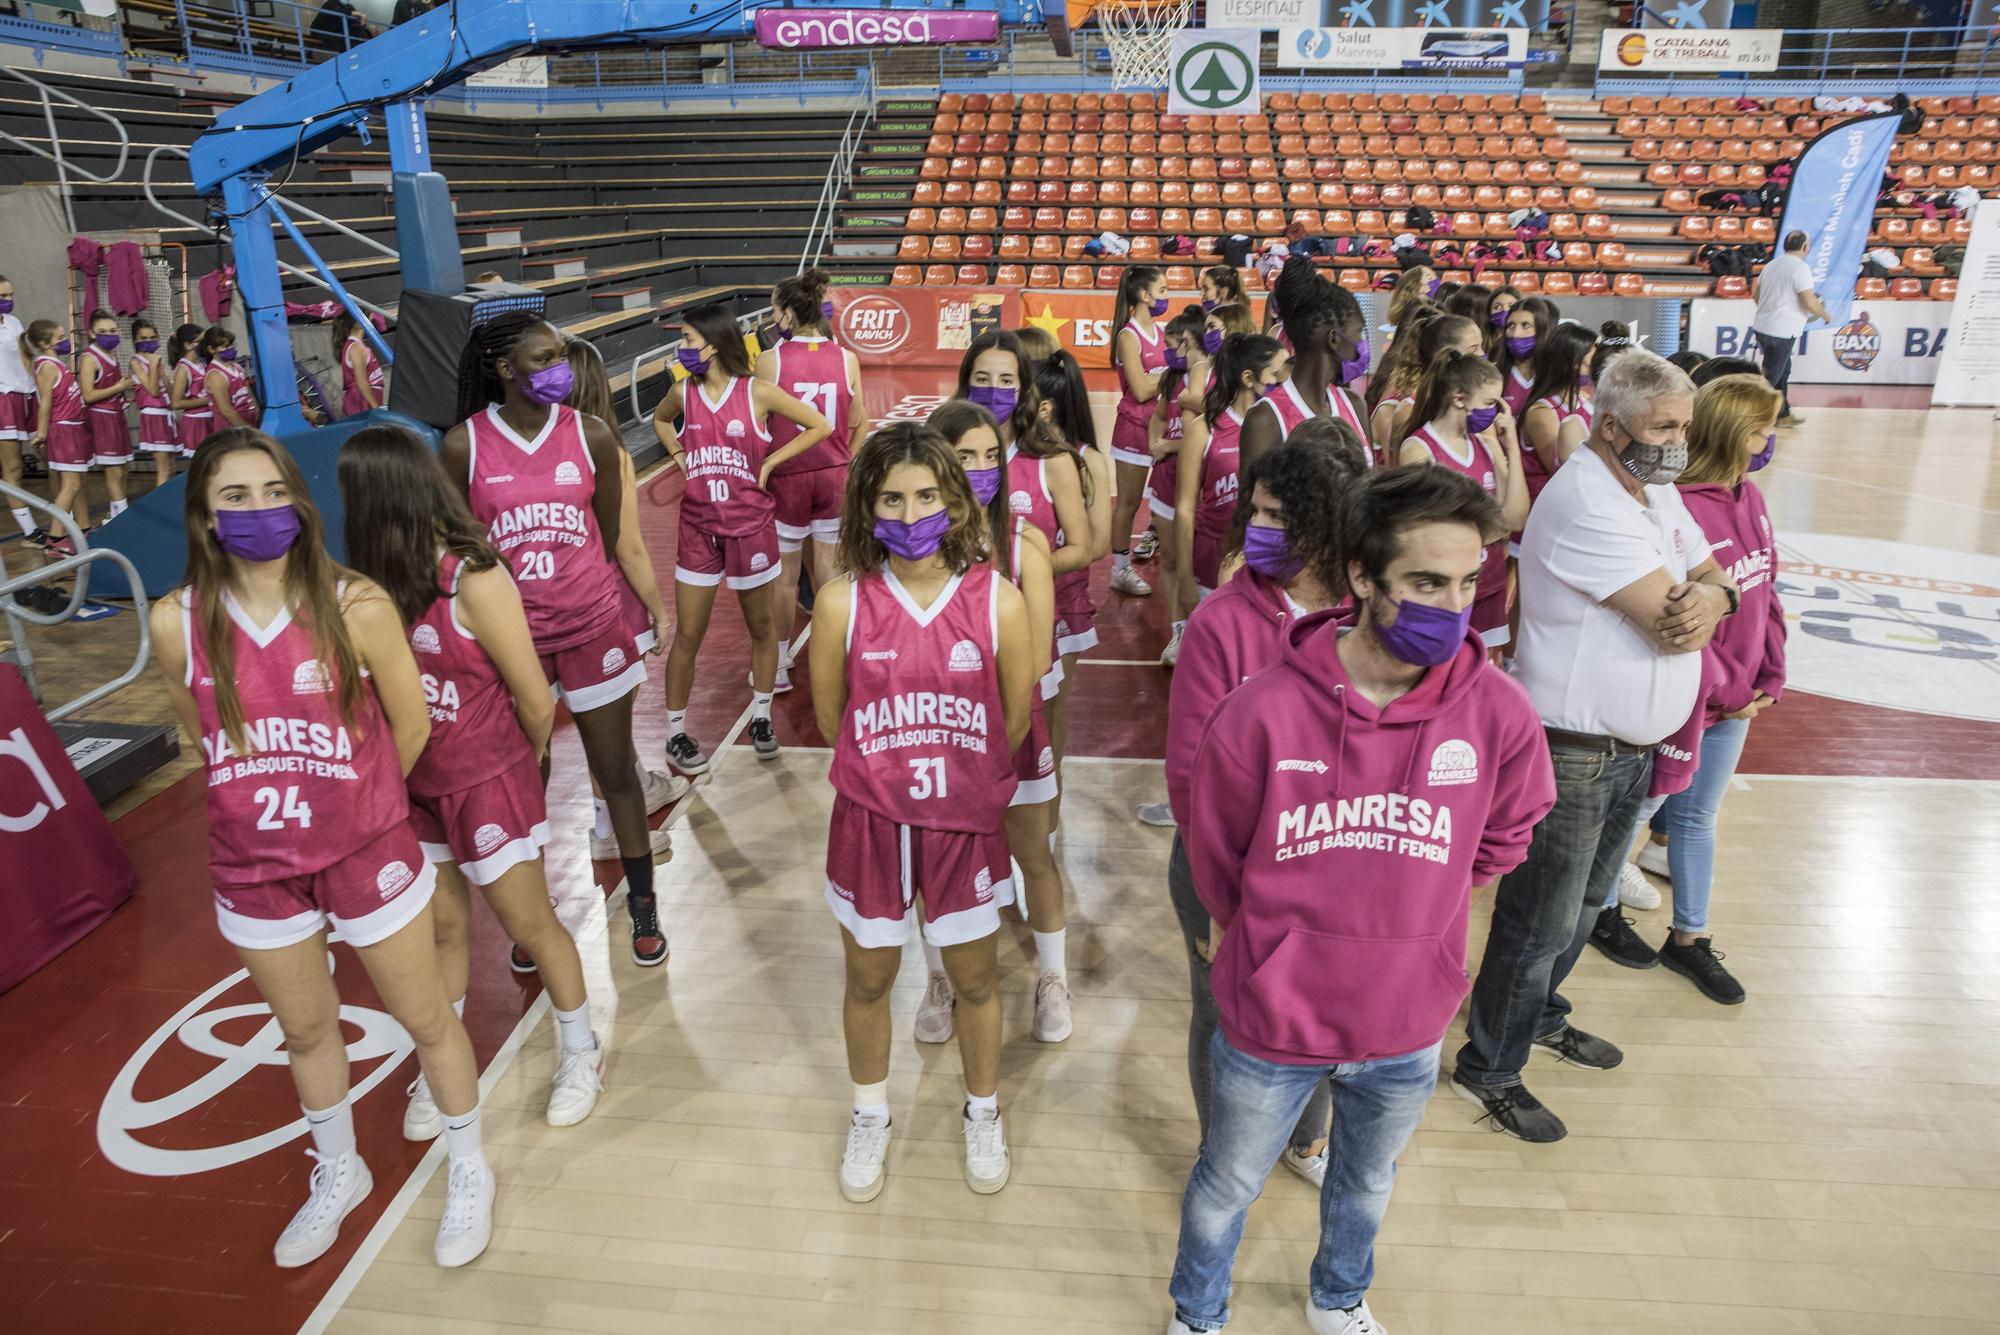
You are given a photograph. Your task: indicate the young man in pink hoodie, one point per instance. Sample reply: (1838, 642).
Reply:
(1349, 797)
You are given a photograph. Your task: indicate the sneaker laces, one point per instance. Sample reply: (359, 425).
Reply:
(461, 1195)
(319, 1189)
(682, 746)
(867, 1142)
(1051, 982)
(645, 915)
(578, 1068)
(1501, 1102)
(939, 994)
(415, 1085)
(983, 1139)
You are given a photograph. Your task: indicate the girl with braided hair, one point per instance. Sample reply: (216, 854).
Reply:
(1329, 338)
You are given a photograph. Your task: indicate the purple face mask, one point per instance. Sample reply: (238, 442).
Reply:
(985, 483)
(1480, 419)
(106, 341)
(1159, 307)
(1211, 341)
(1208, 305)
(257, 535)
(227, 354)
(6, 305)
(1000, 400)
(826, 309)
(691, 361)
(1424, 636)
(64, 347)
(1358, 366)
(1268, 551)
(1498, 319)
(1176, 359)
(147, 345)
(1763, 456)
(1431, 289)
(916, 541)
(551, 384)
(1520, 346)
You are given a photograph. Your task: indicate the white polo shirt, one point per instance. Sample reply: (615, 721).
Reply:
(1779, 311)
(1586, 667)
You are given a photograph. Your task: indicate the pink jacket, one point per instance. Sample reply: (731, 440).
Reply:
(1234, 632)
(1750, 646)
(1338, 844)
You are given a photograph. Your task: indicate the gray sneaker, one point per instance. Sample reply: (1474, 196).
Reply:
(1512, 1109)
(763, 739)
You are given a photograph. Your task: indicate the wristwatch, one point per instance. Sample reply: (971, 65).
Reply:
(1735, 599)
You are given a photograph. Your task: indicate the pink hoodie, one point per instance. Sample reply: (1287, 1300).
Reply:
(1338, 843)
(1750, 646)
(1233, 633)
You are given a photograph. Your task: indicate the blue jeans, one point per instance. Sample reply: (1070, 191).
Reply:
(1688, 820)
(1254, 1106)
(1545, 908)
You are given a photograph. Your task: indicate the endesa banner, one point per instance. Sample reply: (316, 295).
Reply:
(919, 326)
(1887, 343)
(796, 29)
(1081, 321)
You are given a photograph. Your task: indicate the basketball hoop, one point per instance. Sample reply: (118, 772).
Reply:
(1140, 34)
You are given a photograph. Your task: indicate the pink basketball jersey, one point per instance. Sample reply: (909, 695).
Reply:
(923, 740)
(1028, 493)
(1492, 574)
(1153, 360)
(723, 449)
(814, 371)
(534, 496)
(351, 401)
(1515, 393)
(313, 789)
(242, 394)
(1215, 506)
(148, 401)
(197, 386)
(475, 734)
(107, 374)
(66, 398)
(1532, 471)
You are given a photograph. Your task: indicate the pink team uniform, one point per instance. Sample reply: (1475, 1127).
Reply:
(110, 435)
(196, 424)
(1035, 758)
(351, 401)
(1128, 433)
(157, 430)
(1165, 477)
(729, 528)
(68, 446)
(921, 772)
(807, 490)
(1515, 392)
(476, 791)
(1215, 505)
(1028, 498)
(242, 394)
(1489, 608)
(534, 496)
(311, 827)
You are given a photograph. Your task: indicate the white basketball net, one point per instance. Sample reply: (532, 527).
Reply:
(1140, 34)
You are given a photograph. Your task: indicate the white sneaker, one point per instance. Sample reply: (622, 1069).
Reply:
(1180, 1327)
(662, 789)
(1356, 1320)
(661, 841)
(1126, 580)
(467, 1225)
(579, 1075)
(336, 1187)
(780, 683)
(1634, 890)
(863, 1165)
(1311, 1167)
(1156, 813)
(985, 1154)
(934, 1011)
(422, 1120)
(1052, 1022)
(1173, 650)
(1653, 858)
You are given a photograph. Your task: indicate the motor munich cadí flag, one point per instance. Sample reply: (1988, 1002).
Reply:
(1832, 200)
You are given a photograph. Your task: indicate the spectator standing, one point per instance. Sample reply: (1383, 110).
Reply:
(1785, 298)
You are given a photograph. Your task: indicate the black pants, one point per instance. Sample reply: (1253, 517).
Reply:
(1776, 355)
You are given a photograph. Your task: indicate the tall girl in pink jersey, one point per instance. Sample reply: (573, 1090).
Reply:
(105, 387)
(158, 435)
(1329, 347)
(1187, 370)
(729, 529)
(228, 381)
(295, 679)
(546, 483)
(187, 388)
(1249, 367)
(476, 791)
(1063, 401)
(1466, 427)
(1557, 419)
(805, 362)
(922, 628)
(1528, 327)
(58, 423)
(1139, 353)
(361, 376)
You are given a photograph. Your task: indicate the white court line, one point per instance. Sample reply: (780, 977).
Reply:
(1118, 662)
(399, 1207)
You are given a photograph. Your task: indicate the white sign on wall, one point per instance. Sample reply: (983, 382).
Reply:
(1263, 15)
(1214, 72)
(520, 72)
(1884, 343)
(1970, 372)
(1688, 50)
(1401, 48)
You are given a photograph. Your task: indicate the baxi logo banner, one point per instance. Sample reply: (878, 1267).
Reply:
(796, 29)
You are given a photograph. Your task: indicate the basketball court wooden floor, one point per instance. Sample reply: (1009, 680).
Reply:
(1818, 1161)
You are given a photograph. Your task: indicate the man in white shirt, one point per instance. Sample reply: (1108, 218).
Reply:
(17, 403)
(1618, 597)
(1785, 299)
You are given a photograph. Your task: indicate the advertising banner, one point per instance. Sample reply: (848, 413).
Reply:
(1402, 48)
(1081, 321)
(520, 72)
(796, 29)
(1687, 50)
(1268, 14)
(919, 326)
(1214, 72)
(1888, 343)
(1970, 371)
(1832, 200)
(1264, 15)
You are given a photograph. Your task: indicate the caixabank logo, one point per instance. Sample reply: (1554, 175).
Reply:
(1857, 343)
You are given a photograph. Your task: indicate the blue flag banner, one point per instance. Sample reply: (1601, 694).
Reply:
(1832, 200)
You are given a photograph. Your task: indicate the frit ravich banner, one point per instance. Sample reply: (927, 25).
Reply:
(919, 326)
(793, 29)
(1687, 51)
(1832, 200)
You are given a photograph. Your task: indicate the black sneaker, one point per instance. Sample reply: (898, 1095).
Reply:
(649, 943)
(1512, 1109)
(43, 599)
(520, 961)
(764, 739)
(1614, 936)
(1572, 1045)
(1701, 964)
(684, 756)
(39, 538)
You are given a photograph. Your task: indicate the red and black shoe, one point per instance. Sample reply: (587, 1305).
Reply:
(520, 961)
(649, 943)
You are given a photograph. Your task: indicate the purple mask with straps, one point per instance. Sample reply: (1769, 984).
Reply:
(1520, 346)
(1159, 307)
(1424, 636)
(914, 541)
(551, 384)
(1763, 456)
(1481, 419)
(1268, 551)
(1358, 366)
(985, 483)
(257, 535)
(691, 361)
(1000, 400)
(1211, 341)
(1498, 317)
(105, 341)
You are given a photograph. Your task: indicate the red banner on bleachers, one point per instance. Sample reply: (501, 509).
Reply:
(1081, 321)
(919, 326)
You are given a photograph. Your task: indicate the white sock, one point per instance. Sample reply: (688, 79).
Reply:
(332, 1129)
(25, 518)
(676, 722)
(603, 827)
(760, 705)
(461, 1136)
(872, 1100)
(575, 1028)
(458, 1008)
(1049, 951)
(976, 1104)
(119, 508)
(933, 957)
(1120, 561)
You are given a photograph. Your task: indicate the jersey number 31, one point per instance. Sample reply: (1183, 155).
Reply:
(928, 778)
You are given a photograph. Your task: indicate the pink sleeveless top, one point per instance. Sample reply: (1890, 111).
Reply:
(242, 397)
(351, 401)
(475, 734)
(107, 373)
(1493, 573)
(813, 371)
(1515, 393)
(923, 740)
(1532, 473)
(1153, 360)
(66, 399)
(148, 400)
(723, 451)
(1216, 505)
(197, 387)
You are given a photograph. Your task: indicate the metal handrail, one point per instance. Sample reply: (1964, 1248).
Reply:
(839, 175)
(85, 557)
(146, 184)
(54, 151)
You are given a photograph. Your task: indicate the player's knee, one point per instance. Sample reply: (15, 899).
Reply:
(866, 989)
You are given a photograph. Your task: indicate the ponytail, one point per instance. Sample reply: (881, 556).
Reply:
(1135, 280)
(1453, 372)
(1240, 353)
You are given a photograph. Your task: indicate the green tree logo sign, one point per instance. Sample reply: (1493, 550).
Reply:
(1214, 75)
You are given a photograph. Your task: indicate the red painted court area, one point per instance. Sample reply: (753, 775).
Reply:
(150, 1144)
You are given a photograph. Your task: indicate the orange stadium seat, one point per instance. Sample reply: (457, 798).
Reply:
(940, 275)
